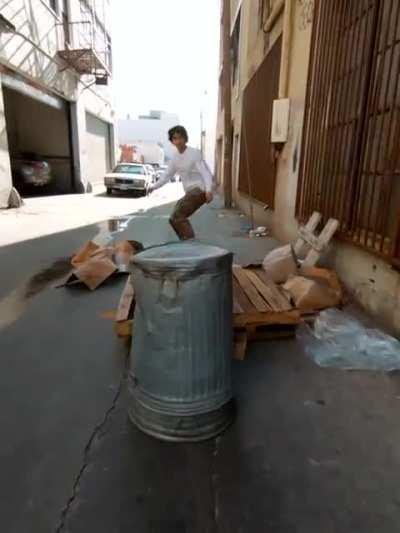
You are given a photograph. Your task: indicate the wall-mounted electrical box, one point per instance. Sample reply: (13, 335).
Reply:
(280, 120)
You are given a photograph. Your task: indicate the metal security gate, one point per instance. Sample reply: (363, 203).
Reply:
(350, 166)
(256, 159)
(98, 147)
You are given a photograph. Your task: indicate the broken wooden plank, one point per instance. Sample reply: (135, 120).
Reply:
(323, 239)
(259, 303)
(311, 239)
(125, 302)
(275, 300)
(311, 226)
(270, 332)
(281, 301)
(124, 328)
(240, 345)
(241, 298)
(272, 317)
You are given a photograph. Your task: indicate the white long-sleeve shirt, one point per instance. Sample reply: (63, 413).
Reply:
(191, 168)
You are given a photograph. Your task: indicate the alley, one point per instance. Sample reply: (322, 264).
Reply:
(41, 216)
(245, 379)
(311, 450)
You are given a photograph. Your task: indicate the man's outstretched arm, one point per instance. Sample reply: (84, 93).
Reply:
(168, 174)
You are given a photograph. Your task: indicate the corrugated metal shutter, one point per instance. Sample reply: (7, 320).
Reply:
(97, 148)
(256, 158)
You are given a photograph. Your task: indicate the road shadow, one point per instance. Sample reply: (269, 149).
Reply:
(122, 194)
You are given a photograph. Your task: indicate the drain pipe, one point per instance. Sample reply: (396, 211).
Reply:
(284, 68)
(286, 44)
(227, 97)
(276, 11)
(286, 6)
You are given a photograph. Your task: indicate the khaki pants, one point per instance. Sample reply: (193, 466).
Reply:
(184, 208)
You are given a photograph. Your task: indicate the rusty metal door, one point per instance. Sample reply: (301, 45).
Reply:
(257, 168)
(350, 165)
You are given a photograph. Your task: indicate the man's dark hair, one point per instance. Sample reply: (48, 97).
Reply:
(178, 130)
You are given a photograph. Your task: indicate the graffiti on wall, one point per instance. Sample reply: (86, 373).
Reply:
(306, 13)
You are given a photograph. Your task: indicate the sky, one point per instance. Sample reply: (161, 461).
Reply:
(166, 57)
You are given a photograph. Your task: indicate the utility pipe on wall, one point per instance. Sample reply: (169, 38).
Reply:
(276, 11)
(286, 45)
(227, 97)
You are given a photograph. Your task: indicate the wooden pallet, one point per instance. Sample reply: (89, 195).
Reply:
(261, 333)
(257, 300)
(261, 311)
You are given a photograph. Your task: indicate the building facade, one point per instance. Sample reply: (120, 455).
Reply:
(148, 129)
(330, 68)
(55, 90)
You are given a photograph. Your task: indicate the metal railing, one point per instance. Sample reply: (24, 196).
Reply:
(81, 35)
(350, 164)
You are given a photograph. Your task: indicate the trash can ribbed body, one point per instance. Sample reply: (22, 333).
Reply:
(180, 374)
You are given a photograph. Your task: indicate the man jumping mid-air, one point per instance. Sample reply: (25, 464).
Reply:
(196, 179)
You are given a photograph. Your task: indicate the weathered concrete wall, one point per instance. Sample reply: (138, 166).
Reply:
(284, 222)
(235, 6)
(370, 280)
(5, 170)
(254, 44)
(36, 22)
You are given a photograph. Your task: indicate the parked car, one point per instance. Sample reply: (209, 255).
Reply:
(133, 177)
(152, 172)
(30, 173)
(161, 170)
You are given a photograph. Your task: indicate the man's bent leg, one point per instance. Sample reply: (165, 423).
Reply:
(184, 208)
(183, 229)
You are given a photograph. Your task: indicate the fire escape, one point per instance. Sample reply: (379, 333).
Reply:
(87, 49)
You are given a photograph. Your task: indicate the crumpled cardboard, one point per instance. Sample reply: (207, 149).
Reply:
(84, 253)
(94, 264)
(95, 271)
(311, 294)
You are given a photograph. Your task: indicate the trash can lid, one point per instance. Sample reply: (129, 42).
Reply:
(185, 255)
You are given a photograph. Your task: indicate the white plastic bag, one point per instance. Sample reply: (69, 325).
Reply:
(341, 341)
(280, 263)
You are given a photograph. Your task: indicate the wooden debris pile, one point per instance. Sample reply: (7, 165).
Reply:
(269, 301)
(262, 310)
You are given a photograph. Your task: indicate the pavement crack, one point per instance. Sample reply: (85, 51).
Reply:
(97, 432)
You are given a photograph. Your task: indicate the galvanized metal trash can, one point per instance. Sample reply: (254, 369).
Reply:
(179, 382)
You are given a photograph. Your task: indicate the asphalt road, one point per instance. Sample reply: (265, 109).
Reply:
(312, 450)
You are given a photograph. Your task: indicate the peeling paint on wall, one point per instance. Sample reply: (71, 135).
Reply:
(306, 13)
